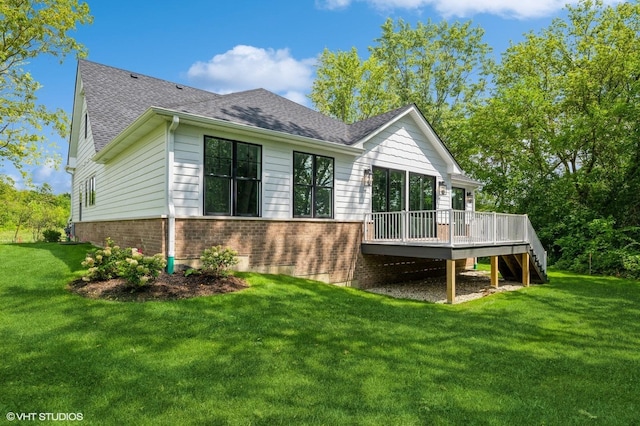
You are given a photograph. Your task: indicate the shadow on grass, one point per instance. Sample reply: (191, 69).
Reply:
(71, 255)
(295, 351)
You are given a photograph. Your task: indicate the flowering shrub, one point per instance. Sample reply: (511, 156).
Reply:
(139, 270)
(113, 261)
(103, 263)
(217, 260)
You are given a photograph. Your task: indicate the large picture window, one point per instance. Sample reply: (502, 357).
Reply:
(312, 185)
(421, 192)
(388, 190)
(232, 177)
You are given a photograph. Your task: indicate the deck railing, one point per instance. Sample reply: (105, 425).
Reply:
(453, 228)
(447, 227)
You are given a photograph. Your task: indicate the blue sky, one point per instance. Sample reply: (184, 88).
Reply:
(228, 46)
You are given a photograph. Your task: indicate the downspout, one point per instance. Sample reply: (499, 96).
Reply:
(171, 237)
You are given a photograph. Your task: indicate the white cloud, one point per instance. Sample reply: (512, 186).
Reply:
(248, 67)
(49, 173)
(522, 9)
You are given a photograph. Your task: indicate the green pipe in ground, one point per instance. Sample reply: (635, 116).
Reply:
(170, 265)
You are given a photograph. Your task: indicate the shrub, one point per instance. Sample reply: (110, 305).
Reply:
(103, 263)
(51, 235)
(139, 270)
(632, 265)
(217, 260)
(113, 261)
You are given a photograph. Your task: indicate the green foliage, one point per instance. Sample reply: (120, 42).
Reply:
(139, 270)
(29, 29)
(558, 137)
(217, 260)
(104, 263)
(35, 209)
(113, 261)
(631, 263)
(349, 88)
(192, 271)
(599, 247)
(440, 67)
(51, 235)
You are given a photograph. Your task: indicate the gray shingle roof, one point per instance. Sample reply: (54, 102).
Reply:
(116, 98)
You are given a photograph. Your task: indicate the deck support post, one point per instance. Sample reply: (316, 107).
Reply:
(451, 281)
(494, 271)
(525, 269)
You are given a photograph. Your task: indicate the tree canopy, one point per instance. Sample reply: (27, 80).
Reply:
(30, 28)
(553, 129)
(440, 67)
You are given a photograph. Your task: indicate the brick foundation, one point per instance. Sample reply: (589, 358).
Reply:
(374, 270)
(147, 235)
(324, 250)
(318, 249)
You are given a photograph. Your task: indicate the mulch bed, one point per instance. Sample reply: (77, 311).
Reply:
(165, 287)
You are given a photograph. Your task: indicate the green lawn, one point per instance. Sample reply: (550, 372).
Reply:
(289, 351)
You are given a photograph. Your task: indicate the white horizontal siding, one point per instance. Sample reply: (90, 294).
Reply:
(133, 183)
(187, 171)
(85, 168)
(402, 146)
(277, 175)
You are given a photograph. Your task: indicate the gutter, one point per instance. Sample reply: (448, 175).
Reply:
(171, 237)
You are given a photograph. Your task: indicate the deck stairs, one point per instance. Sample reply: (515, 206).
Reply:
(510, 267)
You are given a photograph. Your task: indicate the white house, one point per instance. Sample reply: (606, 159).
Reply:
(172, 169)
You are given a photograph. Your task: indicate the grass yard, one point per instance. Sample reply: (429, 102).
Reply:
(290, 351)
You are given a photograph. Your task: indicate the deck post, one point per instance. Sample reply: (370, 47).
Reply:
(494, 271)
(525, 269)
(451, 281)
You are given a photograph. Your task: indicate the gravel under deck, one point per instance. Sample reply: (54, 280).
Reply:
(470, 284)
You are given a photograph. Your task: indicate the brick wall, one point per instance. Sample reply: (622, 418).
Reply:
(319, 249)
(147, 235)
(374, 270)
(324, 250)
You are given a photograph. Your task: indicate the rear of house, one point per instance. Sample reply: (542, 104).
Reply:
(174, 170)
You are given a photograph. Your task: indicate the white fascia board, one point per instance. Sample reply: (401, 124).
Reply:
(452, 164)
(76, 120)
(155, 115)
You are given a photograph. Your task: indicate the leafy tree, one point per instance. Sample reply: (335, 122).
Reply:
(441, 67)
(559, 137)
(33, 210)
(47, 210)
(30, 28)
(350, 88)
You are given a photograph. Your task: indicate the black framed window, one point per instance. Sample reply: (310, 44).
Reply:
(457, 199)
(232, 177)
(421, 192)
(90, 191)
(388, 190)
(313, 177)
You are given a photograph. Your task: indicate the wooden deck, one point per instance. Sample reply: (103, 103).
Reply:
(508, 240)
